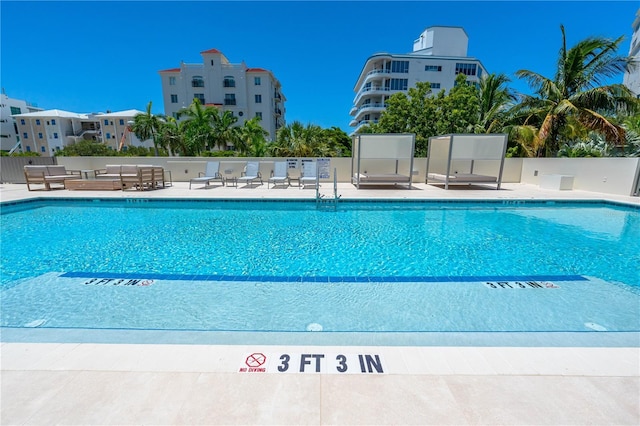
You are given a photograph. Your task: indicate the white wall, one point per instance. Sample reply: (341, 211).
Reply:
(608, 175)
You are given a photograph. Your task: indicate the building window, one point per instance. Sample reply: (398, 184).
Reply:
(230, 99)
(28, 148)
(259, 115)
(121, 122)
(435, 85)
(47, 123)
(55, 135)
(37, 122)
(15, 110)
(200, 97)
(25, 135)
(108, 135)
(436, 68)
(257, 81)
(229, 81)
(197, 81)
(399, 66)
(172, 81)
(53, 122)
(106, 122)
(399, 83)
(39, 135)
(22, 122)
(174, 99)
(212, 62)
(258, 99)
(466, 69)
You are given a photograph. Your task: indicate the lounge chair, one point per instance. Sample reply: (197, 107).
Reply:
(211, 174)
(309, 174)
(279, 175)
(251, 173)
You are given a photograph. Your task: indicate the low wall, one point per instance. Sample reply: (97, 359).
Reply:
(608, 175)
(184, 168)
(12, 168)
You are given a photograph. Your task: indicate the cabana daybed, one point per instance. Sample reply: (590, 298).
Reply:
(382, 159)
(466, 159)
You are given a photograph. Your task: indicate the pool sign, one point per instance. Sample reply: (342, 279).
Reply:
(520, 284)
(312, 363)
(119, 281)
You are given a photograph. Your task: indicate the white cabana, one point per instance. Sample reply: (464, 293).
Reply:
(382, 159)
(466, 159)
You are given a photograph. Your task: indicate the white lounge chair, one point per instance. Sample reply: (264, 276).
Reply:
(279, 174)
(211, 174)
(251, 173)
(309, 174)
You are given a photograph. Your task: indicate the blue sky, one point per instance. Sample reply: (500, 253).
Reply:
(97, 56)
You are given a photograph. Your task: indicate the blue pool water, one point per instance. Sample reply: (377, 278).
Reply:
(285, 266)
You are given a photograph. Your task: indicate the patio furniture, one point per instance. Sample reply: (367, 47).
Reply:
(48, 175)
(211, 174)
(251, 173)
(382, 159)
(466, 159)
(309, 174)
(279, 175)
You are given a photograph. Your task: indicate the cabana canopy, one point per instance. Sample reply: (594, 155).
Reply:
(466, 159)
(382, 159)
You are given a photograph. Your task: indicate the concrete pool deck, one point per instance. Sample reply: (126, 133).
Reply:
(89, 383)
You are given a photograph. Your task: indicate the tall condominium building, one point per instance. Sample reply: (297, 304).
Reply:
(439, 54)
(632, 76)
(9, 135)
(46, 132)
(246, 92)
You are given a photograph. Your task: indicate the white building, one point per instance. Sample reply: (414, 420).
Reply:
(632, 77)
(115, 129)
(439, 54)
(9, 136)
(246, 92)
(49, 131)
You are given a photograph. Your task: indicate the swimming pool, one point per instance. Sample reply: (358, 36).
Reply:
(285, 266)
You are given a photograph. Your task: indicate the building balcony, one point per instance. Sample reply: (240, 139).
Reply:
(372, 90)
(374, 75)
(361, 123)
(367, 108)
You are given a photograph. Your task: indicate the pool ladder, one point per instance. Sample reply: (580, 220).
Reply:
(323, 201)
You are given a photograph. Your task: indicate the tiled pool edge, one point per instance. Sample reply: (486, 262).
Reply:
(190, 337)
(301, 278)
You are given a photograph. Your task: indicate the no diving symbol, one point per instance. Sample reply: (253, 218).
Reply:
(255, 360)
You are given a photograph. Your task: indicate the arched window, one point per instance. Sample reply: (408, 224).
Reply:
(197, 81)
(229, 81)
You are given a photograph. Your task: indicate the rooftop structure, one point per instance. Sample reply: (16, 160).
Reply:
(439, 54)
(216, 82)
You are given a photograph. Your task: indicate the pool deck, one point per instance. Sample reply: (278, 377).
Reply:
(91, 383)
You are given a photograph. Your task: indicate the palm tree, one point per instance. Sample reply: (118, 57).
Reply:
(251, 139)
(197, 128)
(224, 131)
(576, 93)
(495, 100)
(172, 137)
(146, 126)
